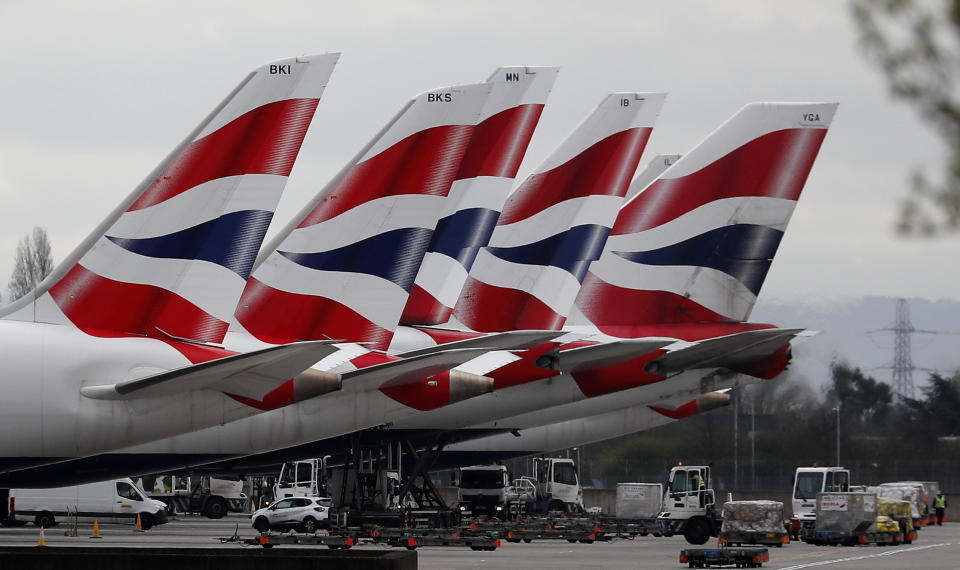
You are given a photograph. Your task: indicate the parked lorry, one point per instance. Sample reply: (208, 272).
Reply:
(554, 486)
(114, 500)
(208, 496)
(689, 506)
(558, 485)
(482, 489)
(807, 483)
(752, 522)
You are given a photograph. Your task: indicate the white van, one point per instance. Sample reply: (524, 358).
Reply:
(116, 500)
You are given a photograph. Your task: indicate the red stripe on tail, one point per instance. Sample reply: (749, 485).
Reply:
(293, 317)
(265, 140)
(488, 308)
(424, 163)
(499, 143)
(774, 165)
(604, 169)
(106, 308)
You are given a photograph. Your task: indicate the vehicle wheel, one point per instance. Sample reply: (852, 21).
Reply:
(45, 520)
(572, 540)
(528, 540)
(146, 521)
(216, 508)
(267, 545)
(697, 532)
(261, 525)
(309, 525)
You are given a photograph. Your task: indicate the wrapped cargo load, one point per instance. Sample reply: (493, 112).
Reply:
(638, 500)
(910, 492)
(846, 513)
(929, 491)
(893, 508)
(887, 524)
(752, 516)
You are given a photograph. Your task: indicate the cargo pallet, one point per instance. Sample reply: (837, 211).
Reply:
(830, 538)
(412, 539)
(572, 529)
(331, 541)
(739, 557)
(739, 538)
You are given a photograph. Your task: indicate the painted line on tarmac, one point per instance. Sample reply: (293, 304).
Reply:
(868, 556)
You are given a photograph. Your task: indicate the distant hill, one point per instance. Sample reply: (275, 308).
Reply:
(844, 325)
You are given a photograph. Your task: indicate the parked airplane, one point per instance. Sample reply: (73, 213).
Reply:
(113, 348)
(738, 188)
(311, 276)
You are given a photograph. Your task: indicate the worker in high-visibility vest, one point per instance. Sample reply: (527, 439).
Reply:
(940, 504)
(698, 485)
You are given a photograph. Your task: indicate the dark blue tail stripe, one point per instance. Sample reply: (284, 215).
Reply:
(462, 234)
(395, 256)
(572, 250)
(742, 251)
(232, 240)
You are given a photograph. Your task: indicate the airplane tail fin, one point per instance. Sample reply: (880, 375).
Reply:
(172, 259)
(696, 244)
(344, 267)
(556, 222)
(479, 190)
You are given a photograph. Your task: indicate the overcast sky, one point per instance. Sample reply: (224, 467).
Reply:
(96, 93)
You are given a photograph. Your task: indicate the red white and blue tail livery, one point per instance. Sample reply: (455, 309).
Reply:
(172, 260)
(696, 244)
(479, 190)
(555, 224)
(344, 268)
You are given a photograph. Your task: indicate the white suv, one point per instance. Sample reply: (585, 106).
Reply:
(306, 514)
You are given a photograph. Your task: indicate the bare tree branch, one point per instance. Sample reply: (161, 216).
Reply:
(33, 262)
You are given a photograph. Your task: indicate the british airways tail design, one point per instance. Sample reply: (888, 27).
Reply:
(556, 222)
(171, 261)
(695, 246)
(479, 190)
(344, 267)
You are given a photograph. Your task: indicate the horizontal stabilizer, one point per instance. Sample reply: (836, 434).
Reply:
(511, 340)
(250, 374)
(608, 354)
(723, 352)
(405, 370)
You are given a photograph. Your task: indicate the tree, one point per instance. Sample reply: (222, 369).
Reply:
(861, 398)
(33, 262)
(917, 45)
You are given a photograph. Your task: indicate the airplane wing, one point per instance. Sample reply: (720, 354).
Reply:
(412, 369)
(510, 340)
(608, 353)
(723, 352)
(249, 373)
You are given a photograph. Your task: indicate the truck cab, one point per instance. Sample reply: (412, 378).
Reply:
(558, 485)
(300, 479)
(482, 489)
(688, 505)
(807, 482)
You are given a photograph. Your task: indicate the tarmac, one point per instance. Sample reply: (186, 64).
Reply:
(936, 548)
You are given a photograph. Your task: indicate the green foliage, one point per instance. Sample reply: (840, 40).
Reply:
(917, 46)
(881, 439)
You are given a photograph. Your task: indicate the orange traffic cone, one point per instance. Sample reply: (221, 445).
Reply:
(43, 540)
(96, 529)
(139, 528)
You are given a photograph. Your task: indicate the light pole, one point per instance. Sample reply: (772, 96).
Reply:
(837, 409)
